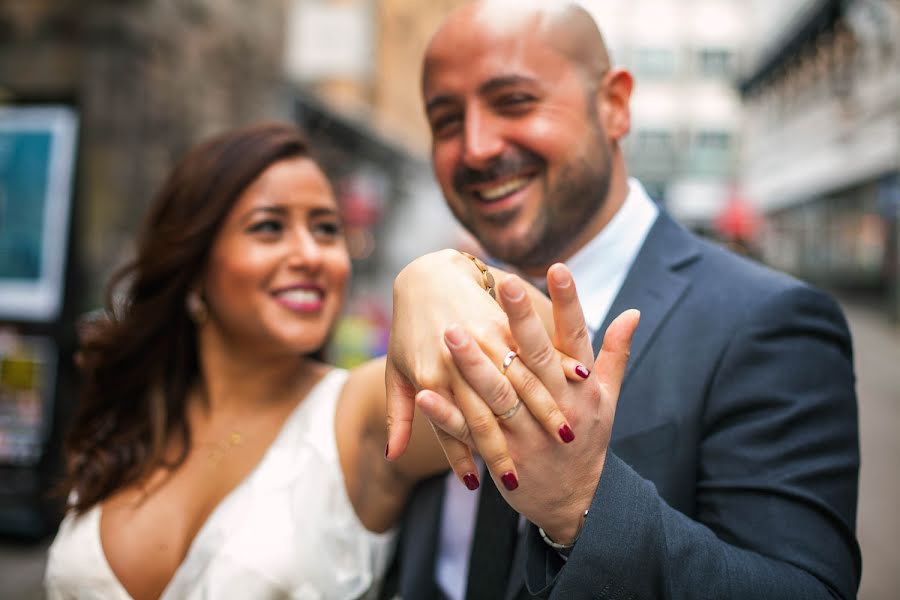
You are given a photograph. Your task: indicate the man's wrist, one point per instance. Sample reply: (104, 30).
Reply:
(565, 526)
(564, 543)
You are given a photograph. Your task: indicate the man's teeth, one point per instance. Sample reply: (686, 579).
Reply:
(301, 296)
(504, 189)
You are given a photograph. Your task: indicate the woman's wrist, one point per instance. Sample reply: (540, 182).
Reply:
(487, 278)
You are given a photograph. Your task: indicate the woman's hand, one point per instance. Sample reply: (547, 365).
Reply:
(430, 293)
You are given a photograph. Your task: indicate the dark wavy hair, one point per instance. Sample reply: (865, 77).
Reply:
(139, 360)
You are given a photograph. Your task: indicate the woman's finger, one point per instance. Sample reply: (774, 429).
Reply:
(533, 344)
(478, 371)
(540, 402)
(484, 428)
(570, 334)
(505, 388)
(575, 370)
(453, 434)
(400, 409)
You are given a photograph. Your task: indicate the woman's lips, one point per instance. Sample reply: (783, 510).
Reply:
(301, 299)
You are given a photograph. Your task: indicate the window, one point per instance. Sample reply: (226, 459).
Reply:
(654, 141)
(714, 141)
(654, 63)
(651, 154)
(711, 153)
(715, 62)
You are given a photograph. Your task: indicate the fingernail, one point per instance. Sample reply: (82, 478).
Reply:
(454, 335)
(424, 400)
(509, 481)
(560, 278)
(513, 290)
(582, 371)
(471, 481)
(387, 448)
(566, 434)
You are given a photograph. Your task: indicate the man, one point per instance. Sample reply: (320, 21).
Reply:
(733, 461)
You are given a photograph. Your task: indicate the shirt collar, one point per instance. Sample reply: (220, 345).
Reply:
(599, 268)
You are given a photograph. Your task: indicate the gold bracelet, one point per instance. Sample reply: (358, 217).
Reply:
(486, 278)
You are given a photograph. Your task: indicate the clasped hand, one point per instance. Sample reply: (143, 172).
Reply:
(448, 342)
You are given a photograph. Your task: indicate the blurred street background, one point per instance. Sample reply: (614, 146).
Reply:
(772, 126)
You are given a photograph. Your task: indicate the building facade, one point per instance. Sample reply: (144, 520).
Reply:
(148, 80)
(822, 148)
(686, 110)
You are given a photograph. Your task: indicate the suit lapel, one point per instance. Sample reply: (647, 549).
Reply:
(653, 284)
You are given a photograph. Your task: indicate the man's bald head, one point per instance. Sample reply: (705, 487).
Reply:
(564, 26)
(525, 115)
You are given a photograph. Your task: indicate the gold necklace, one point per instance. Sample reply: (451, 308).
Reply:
(221, 449)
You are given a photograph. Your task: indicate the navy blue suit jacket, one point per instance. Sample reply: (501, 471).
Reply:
(734, 457)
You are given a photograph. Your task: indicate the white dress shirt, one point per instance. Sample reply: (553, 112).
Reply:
(599, 269)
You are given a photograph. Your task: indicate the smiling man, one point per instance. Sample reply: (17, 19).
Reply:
(520, 147)
(732, 466)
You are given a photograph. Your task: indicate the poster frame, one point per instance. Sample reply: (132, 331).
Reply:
(40, 299)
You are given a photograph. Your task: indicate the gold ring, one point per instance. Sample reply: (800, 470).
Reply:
(507, 360)
(512, 411)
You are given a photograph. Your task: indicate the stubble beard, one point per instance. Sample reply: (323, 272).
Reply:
(566, 211)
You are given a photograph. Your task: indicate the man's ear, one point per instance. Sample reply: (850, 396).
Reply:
(613, 103)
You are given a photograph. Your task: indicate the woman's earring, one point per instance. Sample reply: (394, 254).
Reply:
(196, 308)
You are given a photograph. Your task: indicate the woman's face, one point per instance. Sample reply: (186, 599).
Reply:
(279, 266)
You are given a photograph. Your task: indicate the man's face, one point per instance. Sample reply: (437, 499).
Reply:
(517, 145)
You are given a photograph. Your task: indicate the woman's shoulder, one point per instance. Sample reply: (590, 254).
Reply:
(366, 379)
(371, 370)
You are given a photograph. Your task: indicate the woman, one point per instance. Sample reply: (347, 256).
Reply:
(213, 454)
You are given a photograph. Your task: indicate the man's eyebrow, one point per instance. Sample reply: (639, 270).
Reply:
(488, 87)
(492, 85)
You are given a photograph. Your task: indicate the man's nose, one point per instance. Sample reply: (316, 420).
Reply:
(483, 142)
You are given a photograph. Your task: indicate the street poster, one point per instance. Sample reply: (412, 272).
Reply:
(37, 159)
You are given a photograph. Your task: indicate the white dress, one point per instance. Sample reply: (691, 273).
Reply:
(287, 531)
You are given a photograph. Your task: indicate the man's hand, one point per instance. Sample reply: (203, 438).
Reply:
(553, 483)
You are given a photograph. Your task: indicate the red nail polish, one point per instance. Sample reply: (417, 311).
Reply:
(509, 481)
(566, 434)
(387, 447)
(582, 372)
(471, 481)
